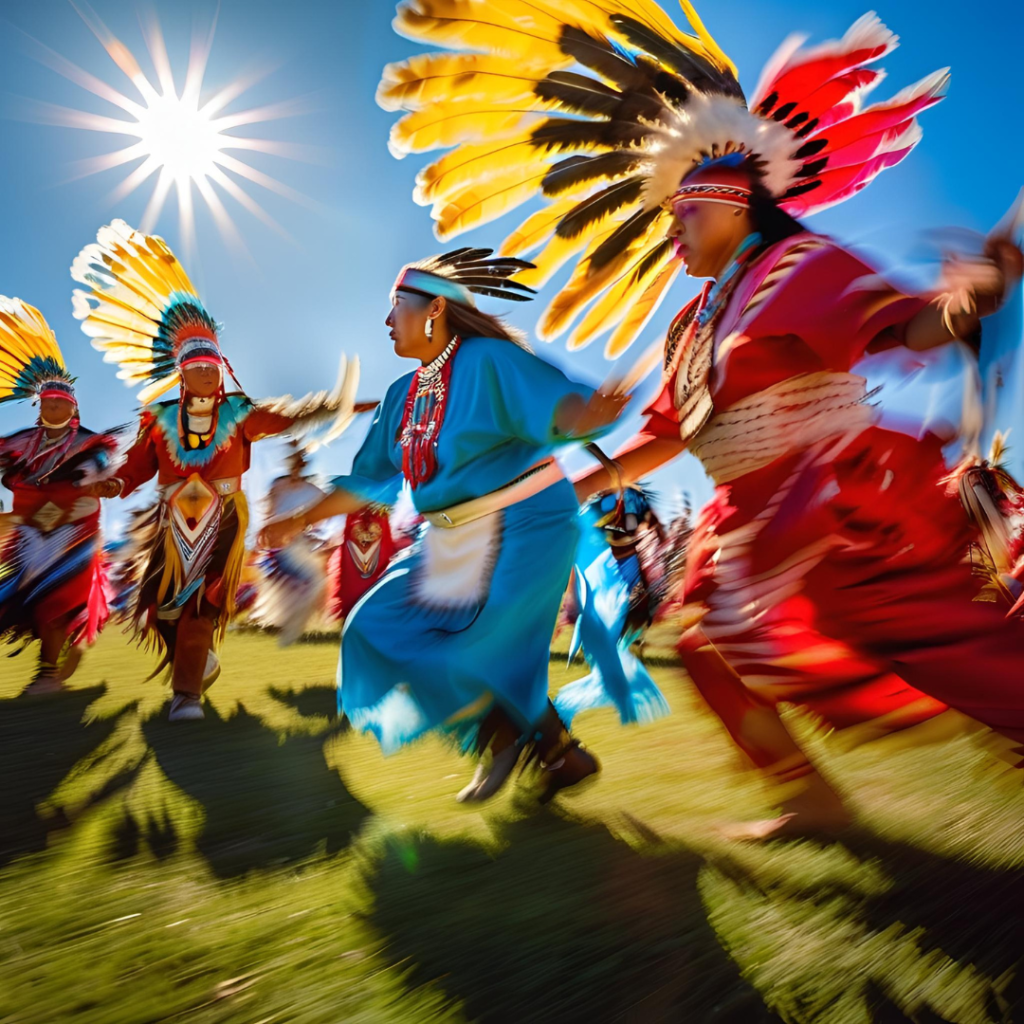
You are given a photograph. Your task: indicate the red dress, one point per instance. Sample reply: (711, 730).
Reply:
(829, 568)
(361, 558)
(52, 566)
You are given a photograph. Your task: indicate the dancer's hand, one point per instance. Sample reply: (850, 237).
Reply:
(975, 287)
(281, 533)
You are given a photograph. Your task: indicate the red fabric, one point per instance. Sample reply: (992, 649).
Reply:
(837, 579)
(347, 584)
(153, 454)
(422, 420)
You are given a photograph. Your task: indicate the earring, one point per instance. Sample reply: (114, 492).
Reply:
(430, 328)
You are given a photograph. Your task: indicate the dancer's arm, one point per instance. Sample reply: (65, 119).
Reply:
(972, 289)
(140, 464)
(337, 502)
(635, 461)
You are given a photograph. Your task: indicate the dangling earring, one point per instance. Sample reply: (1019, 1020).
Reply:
(430, 328)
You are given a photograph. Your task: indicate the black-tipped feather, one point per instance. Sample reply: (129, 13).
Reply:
(599, 55)
(562, 133)
(576, 171)
(472, 269)
(695, 69)
(598, 206)
(622, 237)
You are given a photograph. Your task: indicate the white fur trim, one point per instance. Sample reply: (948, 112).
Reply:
(716, 125)
(457, 564)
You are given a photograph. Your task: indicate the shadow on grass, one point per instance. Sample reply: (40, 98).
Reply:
(268, 800)
(41, 740)
(970, 913)
(313, 702)
(566, 923)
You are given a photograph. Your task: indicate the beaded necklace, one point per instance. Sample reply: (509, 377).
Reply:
(424, 413)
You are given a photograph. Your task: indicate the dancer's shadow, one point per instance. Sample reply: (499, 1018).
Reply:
(267, 800)
(41, 740)
(971, 913)
(313, 702)
(566, 924)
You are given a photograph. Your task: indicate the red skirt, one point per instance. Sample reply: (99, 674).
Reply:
(838, 579)
(47, 585)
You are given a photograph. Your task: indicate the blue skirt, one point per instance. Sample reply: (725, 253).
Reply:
(461, 621)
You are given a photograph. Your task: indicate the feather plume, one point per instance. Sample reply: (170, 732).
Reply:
(641, 310)
(140, 306)
(603, 107)
(29, 355)
(321, 416)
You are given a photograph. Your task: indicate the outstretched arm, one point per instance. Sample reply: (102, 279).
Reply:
(971, 290)
(635, 461)
(337, 502)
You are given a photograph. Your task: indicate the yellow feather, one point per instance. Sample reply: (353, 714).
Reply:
(641, 311)
(615, 302)
(487, 26)
(486, 203)
(710, 46)
(472, 165)
(586, 284)
(156, 389)
(448, 124)
(557, 253)
(442, 77)
(537, 227)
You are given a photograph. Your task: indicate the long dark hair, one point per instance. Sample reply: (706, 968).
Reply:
(768, 218)
(469, 322)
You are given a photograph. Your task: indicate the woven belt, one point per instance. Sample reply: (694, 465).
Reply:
(536, 479)
(787, 417)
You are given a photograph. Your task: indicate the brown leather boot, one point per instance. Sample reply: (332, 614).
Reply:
(564, 761)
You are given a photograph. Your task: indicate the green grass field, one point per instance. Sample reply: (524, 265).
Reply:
(268, 865)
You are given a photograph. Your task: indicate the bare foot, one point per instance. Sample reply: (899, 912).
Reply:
(816, 810)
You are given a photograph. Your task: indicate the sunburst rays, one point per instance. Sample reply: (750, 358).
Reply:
(178, 142)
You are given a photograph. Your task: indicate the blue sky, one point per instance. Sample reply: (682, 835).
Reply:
(290, 310)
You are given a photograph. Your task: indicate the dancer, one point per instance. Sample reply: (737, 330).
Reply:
(456, 637)
(367, 546)
(620, 576)
(828, 568)
(52, 566)
(293, 587)
(143, 312)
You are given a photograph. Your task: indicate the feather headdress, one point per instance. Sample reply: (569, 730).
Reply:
(461, 273)
(31, 365)
(604, 107)
(141, 309)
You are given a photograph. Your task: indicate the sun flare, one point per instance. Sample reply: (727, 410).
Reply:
(178, 140)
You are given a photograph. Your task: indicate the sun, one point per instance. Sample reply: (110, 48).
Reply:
(176, 139)
(178, 136)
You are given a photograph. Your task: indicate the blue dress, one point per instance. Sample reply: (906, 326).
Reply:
(464, 617)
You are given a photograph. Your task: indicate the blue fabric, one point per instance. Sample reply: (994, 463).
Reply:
(617, 677)
(408, 667)
(498, 422)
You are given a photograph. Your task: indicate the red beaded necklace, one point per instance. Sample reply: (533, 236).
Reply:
(424, 413)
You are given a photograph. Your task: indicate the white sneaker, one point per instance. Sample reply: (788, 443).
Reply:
(185, 708)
